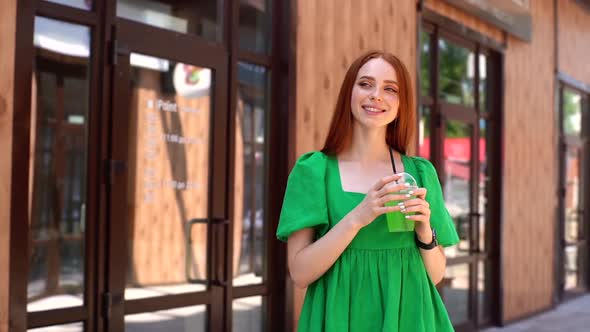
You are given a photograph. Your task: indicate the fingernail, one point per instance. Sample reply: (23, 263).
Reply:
(403, 210)
(408, 195)
(410, 192)
(406, 184)
(401, 204)
(408, 217)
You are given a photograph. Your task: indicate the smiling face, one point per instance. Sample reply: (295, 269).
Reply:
(375, 100)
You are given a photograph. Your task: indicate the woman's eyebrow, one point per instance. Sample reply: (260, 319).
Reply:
(372, 79)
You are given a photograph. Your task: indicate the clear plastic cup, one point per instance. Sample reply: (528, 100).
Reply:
(396, 221)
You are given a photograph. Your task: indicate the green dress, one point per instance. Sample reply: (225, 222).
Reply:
(379, 283)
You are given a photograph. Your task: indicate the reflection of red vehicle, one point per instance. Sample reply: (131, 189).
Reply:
(457, 155)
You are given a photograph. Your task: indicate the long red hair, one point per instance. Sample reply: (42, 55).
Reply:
(400, 132)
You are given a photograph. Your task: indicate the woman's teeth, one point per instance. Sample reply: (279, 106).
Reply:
(373, 109)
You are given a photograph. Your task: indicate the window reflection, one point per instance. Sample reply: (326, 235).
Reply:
(249, 314)
(457, 163)
(425, 63)
(202, 18)
(168, 176)
(484, 286)
(456, 73)
(483, 83)
(186, 319)
(251, 123)
(483, 182)
(73, 327)
(80, 4)
(60, 109)
(255, 21)
(571, 265)
(572, 195)
(572, 112)
(424, 130)
(454, 290)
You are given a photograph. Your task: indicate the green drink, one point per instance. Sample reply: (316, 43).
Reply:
(396, 221)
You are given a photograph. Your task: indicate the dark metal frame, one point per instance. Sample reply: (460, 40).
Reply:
(583, 243)
(18, 316)
(102, 282)
(439, 26)
(171, 46)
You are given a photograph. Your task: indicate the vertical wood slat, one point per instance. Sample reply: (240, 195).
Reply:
(7, 36)
(574, 40)
(530, 169)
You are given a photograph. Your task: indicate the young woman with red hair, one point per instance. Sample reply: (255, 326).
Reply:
(360, 276)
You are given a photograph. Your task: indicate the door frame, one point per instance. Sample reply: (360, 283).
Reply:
(583, 144)
(439, 26)
(185, 49)
(102, 19)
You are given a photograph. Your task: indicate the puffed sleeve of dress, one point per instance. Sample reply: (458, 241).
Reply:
(440, 219)
(304, 204)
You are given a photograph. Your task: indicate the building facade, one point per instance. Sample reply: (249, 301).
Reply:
(148, 143)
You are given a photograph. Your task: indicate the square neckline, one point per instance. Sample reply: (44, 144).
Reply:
(337, 165)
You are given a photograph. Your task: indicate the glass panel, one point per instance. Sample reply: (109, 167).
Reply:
(483, 291)
(457, 191)
(58, 172)
(72, 327)
(255, 25)
(572, 112)
(425, 63)
(483, 83)
(168, 168)
(454, 290)
(424, 136)
(571, 266)
(202, 18)
(186, 319)
(80, 4)
(249, 314)
(456, 73)
(483, 182)
(250, 181)
(572, 195)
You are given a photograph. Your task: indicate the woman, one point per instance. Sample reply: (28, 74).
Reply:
(359, 276)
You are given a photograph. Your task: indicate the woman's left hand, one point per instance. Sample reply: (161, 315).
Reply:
(420, 206)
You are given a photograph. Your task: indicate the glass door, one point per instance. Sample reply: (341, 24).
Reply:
(573, 154)
(459, 132)
(167, 181)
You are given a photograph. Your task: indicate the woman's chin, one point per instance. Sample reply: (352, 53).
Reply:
(372, 123)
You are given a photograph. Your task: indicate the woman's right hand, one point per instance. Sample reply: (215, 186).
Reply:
(374, 203)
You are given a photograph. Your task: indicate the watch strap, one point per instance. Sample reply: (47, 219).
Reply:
(427, 246)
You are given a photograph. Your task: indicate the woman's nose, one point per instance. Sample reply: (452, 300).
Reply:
(375, 98)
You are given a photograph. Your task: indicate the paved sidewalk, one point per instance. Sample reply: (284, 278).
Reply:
(571, 316)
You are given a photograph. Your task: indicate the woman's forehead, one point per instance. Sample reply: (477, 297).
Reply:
(378, 69)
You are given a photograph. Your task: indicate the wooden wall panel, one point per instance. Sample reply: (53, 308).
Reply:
(7, 39)
(574, 40)
(330, 34)
(468, 20)
(530, 169)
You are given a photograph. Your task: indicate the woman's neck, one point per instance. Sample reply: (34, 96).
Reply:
(367, 145)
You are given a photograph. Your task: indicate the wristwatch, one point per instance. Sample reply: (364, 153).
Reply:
(426, 246)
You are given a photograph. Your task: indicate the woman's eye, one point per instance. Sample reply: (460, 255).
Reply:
(364, 84)
(393, 90)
